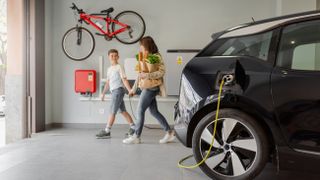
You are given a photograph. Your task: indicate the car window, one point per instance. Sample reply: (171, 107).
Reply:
(253, 45)
(300, 46)
(305, 57)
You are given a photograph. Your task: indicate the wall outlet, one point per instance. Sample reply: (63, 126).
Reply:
(101, 111)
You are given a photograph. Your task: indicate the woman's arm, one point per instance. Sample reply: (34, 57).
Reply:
(157, 74)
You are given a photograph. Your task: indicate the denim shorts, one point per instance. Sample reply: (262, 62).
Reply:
(117, 103)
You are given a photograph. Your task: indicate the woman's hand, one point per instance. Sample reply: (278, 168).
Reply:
(142, 75)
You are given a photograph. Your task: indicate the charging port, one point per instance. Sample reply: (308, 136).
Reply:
(228, 79)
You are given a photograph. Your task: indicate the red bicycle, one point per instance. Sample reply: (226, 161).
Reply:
(78, 43)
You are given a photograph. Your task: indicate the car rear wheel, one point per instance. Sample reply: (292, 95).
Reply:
(240, 149)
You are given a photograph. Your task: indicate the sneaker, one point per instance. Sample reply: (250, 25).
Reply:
(169, 137)
(130, 132)
(103, 135)
(132, 140)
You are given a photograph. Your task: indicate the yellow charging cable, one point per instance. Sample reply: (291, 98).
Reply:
(180, 165)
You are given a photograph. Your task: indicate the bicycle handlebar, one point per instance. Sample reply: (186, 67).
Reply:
(74, 7)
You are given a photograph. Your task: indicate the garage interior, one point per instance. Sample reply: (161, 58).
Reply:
(48, 130)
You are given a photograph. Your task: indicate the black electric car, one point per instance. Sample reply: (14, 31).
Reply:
(270, 104)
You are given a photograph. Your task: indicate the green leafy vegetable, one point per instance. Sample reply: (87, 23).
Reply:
(151, 59)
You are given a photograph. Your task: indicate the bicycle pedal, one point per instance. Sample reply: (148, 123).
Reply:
(107, 38)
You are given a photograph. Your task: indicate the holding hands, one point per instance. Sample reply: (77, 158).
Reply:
(131, 93)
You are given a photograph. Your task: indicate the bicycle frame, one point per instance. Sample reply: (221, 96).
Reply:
(87, 18)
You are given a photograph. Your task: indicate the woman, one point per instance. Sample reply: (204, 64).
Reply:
(148, 95)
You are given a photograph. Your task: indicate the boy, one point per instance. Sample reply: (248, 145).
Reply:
(116, 81)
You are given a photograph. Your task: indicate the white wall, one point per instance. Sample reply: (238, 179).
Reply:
(295, 6)
(172, 23)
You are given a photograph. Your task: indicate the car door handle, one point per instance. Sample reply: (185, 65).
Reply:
(284, 73)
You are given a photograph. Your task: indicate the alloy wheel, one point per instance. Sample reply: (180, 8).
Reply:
(234, 150)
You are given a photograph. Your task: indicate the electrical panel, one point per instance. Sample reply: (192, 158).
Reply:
(85, 81)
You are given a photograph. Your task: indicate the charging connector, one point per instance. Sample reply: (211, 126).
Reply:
(228, 79)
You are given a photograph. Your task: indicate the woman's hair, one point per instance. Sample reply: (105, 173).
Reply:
(149, 44)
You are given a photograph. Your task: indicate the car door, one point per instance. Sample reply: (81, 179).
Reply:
(295, 84)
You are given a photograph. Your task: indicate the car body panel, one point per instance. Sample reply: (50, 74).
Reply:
(254, 96)
(299, 110)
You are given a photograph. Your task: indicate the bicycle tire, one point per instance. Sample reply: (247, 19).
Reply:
(68, 54)
(143, 27)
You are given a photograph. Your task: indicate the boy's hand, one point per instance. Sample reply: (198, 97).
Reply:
(131, 93)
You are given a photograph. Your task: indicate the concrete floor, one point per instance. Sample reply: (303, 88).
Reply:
(75, 154)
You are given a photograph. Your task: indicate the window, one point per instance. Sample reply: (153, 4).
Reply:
(254, 46)
(300, 46)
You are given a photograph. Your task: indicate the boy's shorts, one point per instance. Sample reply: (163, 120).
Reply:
(117, 103)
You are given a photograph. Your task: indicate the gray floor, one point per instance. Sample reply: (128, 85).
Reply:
(74, 154)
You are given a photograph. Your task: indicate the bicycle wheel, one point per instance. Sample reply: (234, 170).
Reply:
(136, 30)
(78, 43)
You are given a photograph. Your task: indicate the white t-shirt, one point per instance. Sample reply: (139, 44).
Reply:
(115, 74)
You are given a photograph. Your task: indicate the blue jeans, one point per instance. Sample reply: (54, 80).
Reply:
(148, 100)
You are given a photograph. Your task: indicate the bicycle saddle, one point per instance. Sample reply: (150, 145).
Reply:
(109, 10)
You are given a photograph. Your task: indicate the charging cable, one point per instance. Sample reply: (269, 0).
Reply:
(180, 165)
(148, 127)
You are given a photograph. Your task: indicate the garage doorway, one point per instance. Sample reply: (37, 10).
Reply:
(3, 62)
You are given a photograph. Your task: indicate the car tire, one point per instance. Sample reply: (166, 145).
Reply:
(241, 147)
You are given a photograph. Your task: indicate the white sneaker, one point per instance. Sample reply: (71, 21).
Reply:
(169, 137)
(132, 140)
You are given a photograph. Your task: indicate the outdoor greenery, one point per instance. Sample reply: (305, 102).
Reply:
(3, 43)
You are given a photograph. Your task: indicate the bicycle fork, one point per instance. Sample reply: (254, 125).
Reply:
(130, 31)
(79, 36)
